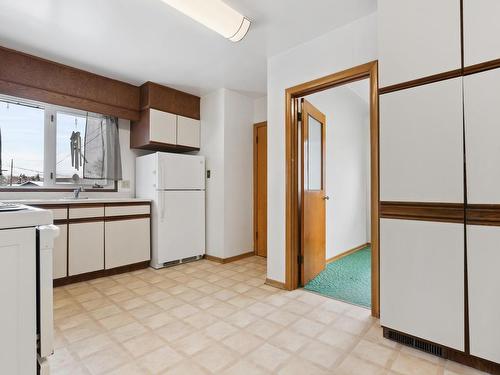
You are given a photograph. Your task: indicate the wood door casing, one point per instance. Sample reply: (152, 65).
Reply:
(313, 207)
(260, 188)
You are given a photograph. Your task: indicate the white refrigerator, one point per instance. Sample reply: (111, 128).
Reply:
(176, 185)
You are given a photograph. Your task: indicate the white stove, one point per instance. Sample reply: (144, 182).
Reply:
(26, 317)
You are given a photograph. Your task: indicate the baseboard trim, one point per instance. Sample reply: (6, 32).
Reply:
(449, 353)
(101, 273)
(230, 259)
(348, 252)
(275, 284)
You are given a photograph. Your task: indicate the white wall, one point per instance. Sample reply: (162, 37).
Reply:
(128, 169)
(238, 174)
(212, 147)
(347, 170)
(260, 110)
(348, 46)
(227, 126)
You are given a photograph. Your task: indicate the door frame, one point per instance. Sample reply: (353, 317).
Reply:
(292, 207)
(255, 128)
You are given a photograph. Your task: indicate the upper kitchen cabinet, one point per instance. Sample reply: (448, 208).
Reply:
(481, 31)
(482, 133)
(170, 120)
(421, 144)
(418, 38)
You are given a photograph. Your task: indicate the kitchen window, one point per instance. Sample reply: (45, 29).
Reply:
(47, 147)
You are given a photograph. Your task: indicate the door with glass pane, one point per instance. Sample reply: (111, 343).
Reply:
(313, 199)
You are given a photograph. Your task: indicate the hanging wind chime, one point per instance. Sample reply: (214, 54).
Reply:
(75, 142)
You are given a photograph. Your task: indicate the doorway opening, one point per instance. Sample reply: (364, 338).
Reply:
(308, 197)
(260, 188)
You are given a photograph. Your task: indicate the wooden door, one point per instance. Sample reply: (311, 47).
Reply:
(313, 226)
(260, 188)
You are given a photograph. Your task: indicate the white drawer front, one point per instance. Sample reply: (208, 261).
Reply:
(84, 212)
(127, 210)
(59, 213)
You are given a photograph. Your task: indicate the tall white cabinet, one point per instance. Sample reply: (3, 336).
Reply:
(439, 69)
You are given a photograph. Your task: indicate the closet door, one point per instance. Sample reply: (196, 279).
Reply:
(482, 140)
(421, 144)
(481, 31)
(422, 280)
(417, 38)
(483, 259)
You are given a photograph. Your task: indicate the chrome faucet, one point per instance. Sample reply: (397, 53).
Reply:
(77, 191)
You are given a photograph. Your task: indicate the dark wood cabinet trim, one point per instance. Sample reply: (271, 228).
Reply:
(482, 67)
(440, 212)
(167, 99)
(127, 217)
(81, 220)
(101, 273)
(483, 214)
(421, 81)
(125, 204)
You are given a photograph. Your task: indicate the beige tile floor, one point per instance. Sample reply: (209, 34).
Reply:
(209, 318)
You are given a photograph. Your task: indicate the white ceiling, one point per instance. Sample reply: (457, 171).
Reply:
(146, 40)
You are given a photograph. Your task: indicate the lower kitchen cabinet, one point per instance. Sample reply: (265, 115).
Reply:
(60, 253)
(422, 280)
(483, 260)
(86, 247)
(127, 242)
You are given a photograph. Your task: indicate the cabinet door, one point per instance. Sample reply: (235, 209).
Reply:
(162, 127)
(60, 253)
(422, 280)
(18, 296)
(417, 38)
(481, 30)
(421, 144)
(482, 136)
(86, 247)
(483, 259)
(188, 132)
(127, 242)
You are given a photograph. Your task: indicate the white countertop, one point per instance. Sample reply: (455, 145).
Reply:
(29, 217)
(75, 201)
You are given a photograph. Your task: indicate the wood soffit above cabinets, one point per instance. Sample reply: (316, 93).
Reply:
(31, 77)
(442, 212)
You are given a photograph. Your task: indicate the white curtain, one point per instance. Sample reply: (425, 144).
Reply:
(102, 149)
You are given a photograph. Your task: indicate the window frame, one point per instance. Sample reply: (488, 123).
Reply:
(50, 149)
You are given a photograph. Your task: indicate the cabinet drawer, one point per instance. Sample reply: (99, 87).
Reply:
(127, 210)
(86, 247)
(86, 212)
(188, 132)
(59, 213)
(421, 144)
(60, 253)
(162, 127)
(422, 280)
(127, 242)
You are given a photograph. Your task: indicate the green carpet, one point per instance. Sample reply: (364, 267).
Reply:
(347, 279)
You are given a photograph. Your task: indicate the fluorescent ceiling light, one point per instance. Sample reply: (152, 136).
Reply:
(216, 15)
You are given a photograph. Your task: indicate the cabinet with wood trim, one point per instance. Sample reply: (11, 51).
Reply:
(481, 31)
(417, 39)
(99, 239)
(170, 120)
(421, 144)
